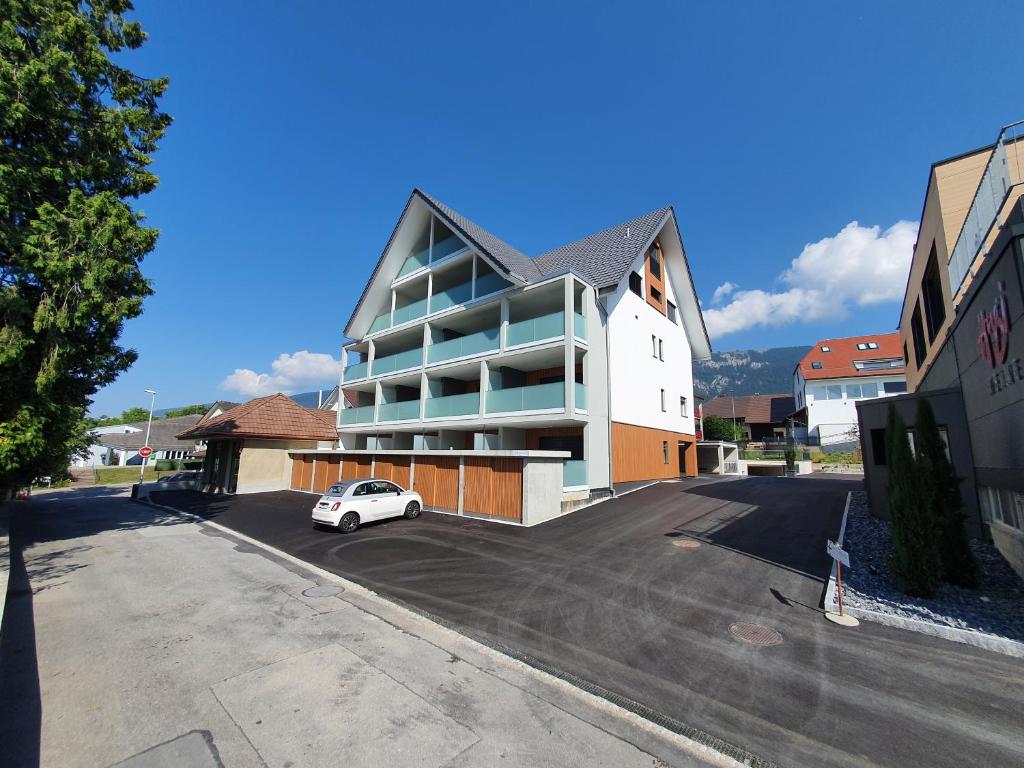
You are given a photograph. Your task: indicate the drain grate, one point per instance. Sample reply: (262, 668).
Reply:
(755, 634)
(686, 543)
(323, 590)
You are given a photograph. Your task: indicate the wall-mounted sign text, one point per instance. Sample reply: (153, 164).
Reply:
(994, 343)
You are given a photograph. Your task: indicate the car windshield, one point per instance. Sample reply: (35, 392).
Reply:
(338, 489)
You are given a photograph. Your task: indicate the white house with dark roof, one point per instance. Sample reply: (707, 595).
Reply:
(463, 343)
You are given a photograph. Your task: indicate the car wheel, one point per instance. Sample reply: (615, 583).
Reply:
(412, 510)
(349, 522)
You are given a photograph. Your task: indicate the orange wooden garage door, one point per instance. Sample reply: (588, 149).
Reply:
(493, 487)
(393, 468)
(296, 472)
(306, 476)
(437, 481)
(355, 466)
(325, 472)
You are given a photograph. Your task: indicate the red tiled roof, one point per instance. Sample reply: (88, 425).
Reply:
(837, 363)
(273, 417)
(752, 409)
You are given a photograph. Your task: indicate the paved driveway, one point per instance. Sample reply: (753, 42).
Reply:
(608, 595)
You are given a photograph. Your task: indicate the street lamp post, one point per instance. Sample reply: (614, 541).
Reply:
(149, 424)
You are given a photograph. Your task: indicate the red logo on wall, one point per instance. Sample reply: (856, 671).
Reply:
(994, 330)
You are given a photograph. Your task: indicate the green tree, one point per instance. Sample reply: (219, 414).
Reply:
(718, 428)
(941, 492)
(188, 410)
(76, 135)
(915, 557)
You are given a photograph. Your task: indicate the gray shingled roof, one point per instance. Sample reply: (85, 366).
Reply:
(514, 261)
(603, 258)
(162, 436)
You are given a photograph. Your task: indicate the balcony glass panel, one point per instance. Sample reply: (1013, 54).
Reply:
(361, 415)
(380, 323)
(490, 283)
(581, 397)
(473, 344)
(414, 262)
(412, 358)
(447, 247)
(574, 473)
(528, 331)
(453, 405)
(409, 409)
(579, 326)
(411, 312)
(458, 294)
(357, 371)
(536, 398)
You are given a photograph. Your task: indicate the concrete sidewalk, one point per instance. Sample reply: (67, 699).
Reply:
(154, 641)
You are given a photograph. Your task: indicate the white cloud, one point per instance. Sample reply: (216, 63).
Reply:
(288, 373)
(858, 267)
(722, 291)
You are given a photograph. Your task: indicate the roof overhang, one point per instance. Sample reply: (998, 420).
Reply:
(682, 278)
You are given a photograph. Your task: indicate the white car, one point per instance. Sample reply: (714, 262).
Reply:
(349, 503)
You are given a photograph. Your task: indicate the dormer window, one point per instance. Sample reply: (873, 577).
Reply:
(826, 348)
(816, 365)
(867, 345)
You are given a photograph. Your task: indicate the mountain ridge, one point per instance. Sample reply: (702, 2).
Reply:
(747, 372)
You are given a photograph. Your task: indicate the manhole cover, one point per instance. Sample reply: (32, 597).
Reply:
(755, 634)
(686, 543)
(323, 590)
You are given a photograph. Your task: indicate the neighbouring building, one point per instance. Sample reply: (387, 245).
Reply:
(764, 418)
(119, 445)
(962, 338)
(834, 376)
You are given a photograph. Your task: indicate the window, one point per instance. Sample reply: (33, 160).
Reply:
(664, 451)
(656, 294)
(1002, 506)
(869, 390)
(872, 345)
(835, 391)
(655, 261)
(917, 334)
(363, 490)
(682, 406)
(816, 365)
(931, 296)
(663, 399)
(906, 356)
(878, 446)
(853, 391)
(671, 312)
(894, 387)
(661, 350)
(654, 345)
(636, 284)
(826, 348)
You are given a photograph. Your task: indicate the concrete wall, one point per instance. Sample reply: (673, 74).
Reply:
(542, 490)
(1010, 542)
(266, 466)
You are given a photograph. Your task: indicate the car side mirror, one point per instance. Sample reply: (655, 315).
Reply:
(398, 493)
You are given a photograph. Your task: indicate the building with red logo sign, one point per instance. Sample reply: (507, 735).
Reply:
(962, 333)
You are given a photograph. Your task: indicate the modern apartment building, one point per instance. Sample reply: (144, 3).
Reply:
(960, 328)
(837, 373)
(462, 343)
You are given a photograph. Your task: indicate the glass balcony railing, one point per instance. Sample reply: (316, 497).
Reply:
(410, 311)
(473, 344)
(447, 247)
(539, 328)
(581, 397)
(361, 415)
(380, 323)
(357, 371)
(414, 262)
(412, 358)
(574, 473)
(579, 326)
(490, 283)
(459, 294)
(538, 397)
(404, 411)
(453, 405)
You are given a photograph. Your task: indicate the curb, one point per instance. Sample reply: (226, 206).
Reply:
(981, 640)
(698, 742)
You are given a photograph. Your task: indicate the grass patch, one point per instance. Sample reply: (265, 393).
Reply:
(114, 475)
(851, 457)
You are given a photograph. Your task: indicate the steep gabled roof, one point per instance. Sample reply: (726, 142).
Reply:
(602, 259)
(838, 362)
(273, 417)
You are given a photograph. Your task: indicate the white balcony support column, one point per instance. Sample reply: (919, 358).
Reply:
(394, 298)
(426, 343)
(472, 283)
(371, 353)
(569, 346)
(423, 395)
(485, 386)
(503, 328)
(430, 290)
(430, 247)
(378, 397)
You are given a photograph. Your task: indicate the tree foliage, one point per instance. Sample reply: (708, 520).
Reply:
(915, 557)
(718, 428)
(76, 135)
(187, 410)
(941, 496)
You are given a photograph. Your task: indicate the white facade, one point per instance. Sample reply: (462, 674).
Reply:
(831, 404)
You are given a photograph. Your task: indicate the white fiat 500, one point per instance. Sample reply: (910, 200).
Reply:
(348, 504)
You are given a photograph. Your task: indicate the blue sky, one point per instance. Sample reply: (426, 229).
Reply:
(301, 128)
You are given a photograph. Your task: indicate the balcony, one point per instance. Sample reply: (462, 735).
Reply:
(581, 397)
(471, 344)
(539, 397)
(404, 411)
(412, 358)
(446, 248)
(467, 404)
(459, 294)
(574, 473)
(356, 372)
(410, 312)
(579, 326)
(361, 415)
(542, 328)
(415, 262)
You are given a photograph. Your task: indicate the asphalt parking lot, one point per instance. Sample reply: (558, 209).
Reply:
(618, 595)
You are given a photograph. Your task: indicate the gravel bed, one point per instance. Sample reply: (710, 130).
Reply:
(996, 607)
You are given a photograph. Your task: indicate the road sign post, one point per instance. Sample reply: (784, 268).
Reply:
(842, 557)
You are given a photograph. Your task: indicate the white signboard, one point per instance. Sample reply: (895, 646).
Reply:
(838, 553)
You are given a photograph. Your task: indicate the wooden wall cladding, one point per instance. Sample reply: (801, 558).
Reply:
(638, 453)
(393, 468)
(493, 487)
(296, 482)
(650, 281)
(437, 481)
(306, 476)
(355, 466)
(325, 472)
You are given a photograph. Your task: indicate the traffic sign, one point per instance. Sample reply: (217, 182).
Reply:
(838, 553)
(145, 452)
